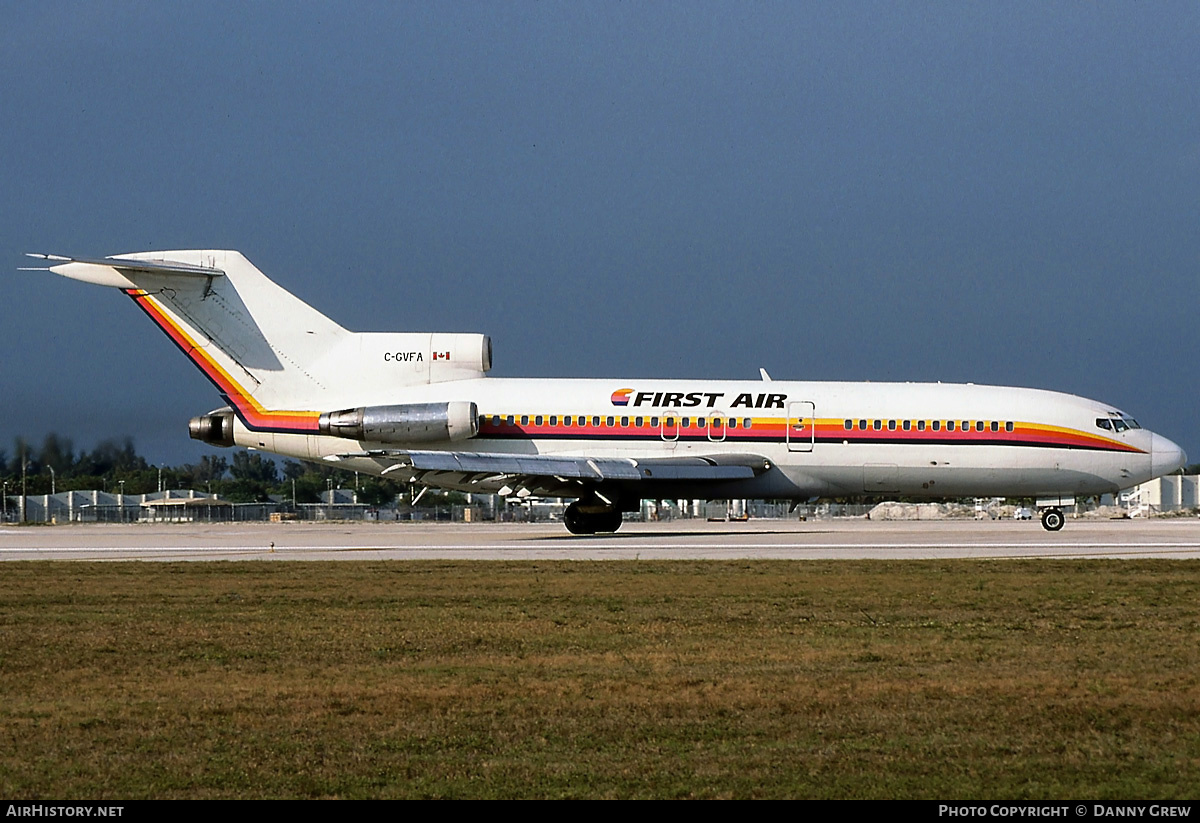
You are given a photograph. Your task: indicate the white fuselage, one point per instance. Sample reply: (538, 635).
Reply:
(824, 439)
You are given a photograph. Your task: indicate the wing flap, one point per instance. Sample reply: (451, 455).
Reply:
(586, 469)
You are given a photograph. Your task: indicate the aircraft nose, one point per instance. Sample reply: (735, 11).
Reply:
(1165, 456)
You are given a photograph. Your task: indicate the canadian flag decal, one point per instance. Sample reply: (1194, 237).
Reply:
(441, 355)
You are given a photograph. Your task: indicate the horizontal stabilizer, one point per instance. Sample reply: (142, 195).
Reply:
(135, 266)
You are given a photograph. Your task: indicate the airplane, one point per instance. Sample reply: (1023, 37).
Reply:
(420, 408)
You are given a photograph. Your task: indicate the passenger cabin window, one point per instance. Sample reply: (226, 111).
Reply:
(891, 425)
(1008, 426)
(537, 421)
(877, 424)
(747, 423)
(654, 422)
(849, 425)
(862, 425)
(937, 425)
(610, 422)
(595, 421)
(524, 420)
(624, 421)
(511, 421)
(733, 422)
(908, 425)
(978, 425)
(949, 425)
(554, 420)
(995, 426)
(638, 421)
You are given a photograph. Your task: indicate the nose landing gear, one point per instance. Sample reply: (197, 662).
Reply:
(1053, 519)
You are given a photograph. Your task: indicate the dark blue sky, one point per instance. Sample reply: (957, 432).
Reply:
(1002, 193)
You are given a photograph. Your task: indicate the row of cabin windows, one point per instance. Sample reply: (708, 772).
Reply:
(610, 422)
(933, 425)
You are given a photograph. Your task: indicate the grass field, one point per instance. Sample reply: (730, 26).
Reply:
(954, 679)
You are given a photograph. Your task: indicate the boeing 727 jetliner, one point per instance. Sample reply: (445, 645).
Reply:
(419, 407)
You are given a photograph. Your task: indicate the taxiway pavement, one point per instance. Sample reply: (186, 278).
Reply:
(681, 539)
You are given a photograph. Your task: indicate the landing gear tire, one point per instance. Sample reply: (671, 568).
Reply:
(610, 521)
(577, 522)
(581, 522)
(1052, 520)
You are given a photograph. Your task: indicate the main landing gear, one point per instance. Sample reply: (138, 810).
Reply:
(586, 516)
(1053, 519)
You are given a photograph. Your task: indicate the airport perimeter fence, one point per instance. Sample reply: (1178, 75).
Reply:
(60, 509)
(216, 513)
(52, 509)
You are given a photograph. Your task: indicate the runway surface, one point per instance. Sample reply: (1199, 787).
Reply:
(681, 539)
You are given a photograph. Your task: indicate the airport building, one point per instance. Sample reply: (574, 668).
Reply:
(94, 506)
(1172, 493)
(176, 505)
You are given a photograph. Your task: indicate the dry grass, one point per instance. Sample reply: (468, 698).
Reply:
(958, 679)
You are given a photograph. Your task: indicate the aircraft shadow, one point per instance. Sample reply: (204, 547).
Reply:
(641, 536)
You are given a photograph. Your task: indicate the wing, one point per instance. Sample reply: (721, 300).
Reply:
(554, 475)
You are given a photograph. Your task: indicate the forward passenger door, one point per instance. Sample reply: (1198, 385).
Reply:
(801, 428)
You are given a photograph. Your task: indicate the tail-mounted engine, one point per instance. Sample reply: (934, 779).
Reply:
(408, 423)
(214, 428)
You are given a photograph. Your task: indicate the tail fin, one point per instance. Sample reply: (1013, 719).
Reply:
(249, 336)
(276, 360)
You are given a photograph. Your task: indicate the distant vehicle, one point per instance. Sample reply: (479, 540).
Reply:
(1023, 513)
(418, 407)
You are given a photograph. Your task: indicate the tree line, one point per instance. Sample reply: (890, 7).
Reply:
(114, 465)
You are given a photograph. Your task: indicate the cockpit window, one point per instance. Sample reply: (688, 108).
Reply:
(1117, 422)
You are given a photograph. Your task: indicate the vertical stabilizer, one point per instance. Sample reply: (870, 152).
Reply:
(250, 337)
(277, 361)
